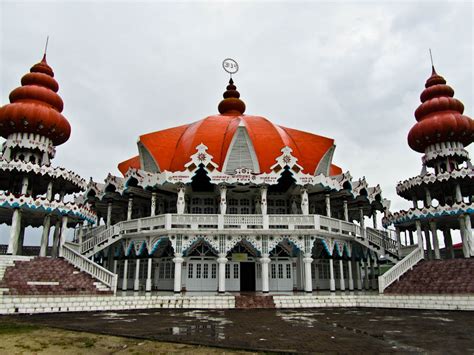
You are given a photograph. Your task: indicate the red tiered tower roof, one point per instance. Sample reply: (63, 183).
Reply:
(35, 107)
(440, 117)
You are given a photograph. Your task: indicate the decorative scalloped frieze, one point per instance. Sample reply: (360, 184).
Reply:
(147, 179)
(43, 170)
(427, 213)
(30, 141)
(443, 150)
(434, 178)
(84, 212)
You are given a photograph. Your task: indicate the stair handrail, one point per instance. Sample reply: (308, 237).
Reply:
(96, 271)
(104, 234)
(400, 268)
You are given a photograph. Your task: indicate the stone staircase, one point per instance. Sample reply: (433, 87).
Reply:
(254, 301)
(8, 261)
(47, 276)
(454, 276)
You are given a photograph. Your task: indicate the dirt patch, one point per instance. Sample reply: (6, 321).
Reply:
(20, 338)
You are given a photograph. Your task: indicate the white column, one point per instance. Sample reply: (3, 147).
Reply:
(7, 154)
(81, 232)
(57, 230)
(148, 275)
(359, 275)
(328, 205)
(308, 279)
(178, 263)
(332, 282)
(346, 211)
(153, 204)
(419, 236)
(448, 242)
(351, 280)
(222, 261)
(49, 191)
(372, 273)
(62, 239)
(434, 235)
(136, 284)
(397, 234)
(125, 275)
(468, 234)
(24, 185)
(45, 235)
(362, 222)
(14, 232)
(428, 242)
(263, 200)
(265, 260)
(109, 214)
(428, 197)
(223, 199)
(130, 208)
(304, 202)
(342, 284)
(366, 274)
(458, 193)
(181, 201)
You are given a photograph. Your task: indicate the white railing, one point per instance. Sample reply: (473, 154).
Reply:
(382, 239)
(100, 238)
(233, 222)
(243, 221)
(82, 263)
(88, 232)
(400, 268)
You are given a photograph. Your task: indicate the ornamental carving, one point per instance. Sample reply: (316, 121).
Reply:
(71, 209)
(402, 216)
(431, 178)
(52, 173)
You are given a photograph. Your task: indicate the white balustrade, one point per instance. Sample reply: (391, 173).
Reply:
(244, 221)
(235, 222)
(82, 263)
(154, 222)
(404, 265)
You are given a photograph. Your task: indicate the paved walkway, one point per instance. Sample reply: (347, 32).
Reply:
(342, 330)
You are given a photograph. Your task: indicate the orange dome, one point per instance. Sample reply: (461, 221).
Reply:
(234, 140)
(35, 107)
(439, 117)
(172, 148)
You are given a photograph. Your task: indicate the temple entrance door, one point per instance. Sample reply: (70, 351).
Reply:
(247, 276)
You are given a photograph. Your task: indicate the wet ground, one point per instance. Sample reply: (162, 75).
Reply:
(340, 330)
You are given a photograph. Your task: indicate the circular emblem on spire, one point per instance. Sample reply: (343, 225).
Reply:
(230, 66)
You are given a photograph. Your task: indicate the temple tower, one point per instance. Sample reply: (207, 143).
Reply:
(442, 193)
(32, 192)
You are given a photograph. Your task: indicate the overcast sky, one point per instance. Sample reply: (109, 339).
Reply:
(352, 71)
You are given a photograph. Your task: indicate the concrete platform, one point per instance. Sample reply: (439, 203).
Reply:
(325, 330)
(53, 304)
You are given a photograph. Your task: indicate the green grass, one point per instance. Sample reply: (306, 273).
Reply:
(16, 328)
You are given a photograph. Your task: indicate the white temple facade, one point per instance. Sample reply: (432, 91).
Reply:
(236, 203)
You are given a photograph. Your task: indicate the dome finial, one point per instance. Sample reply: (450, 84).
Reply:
(433, 70)
(231, 105)
(45, 50)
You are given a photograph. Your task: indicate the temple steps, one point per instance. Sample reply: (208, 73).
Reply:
(254, 301)
(454, 276)
(47, 276)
